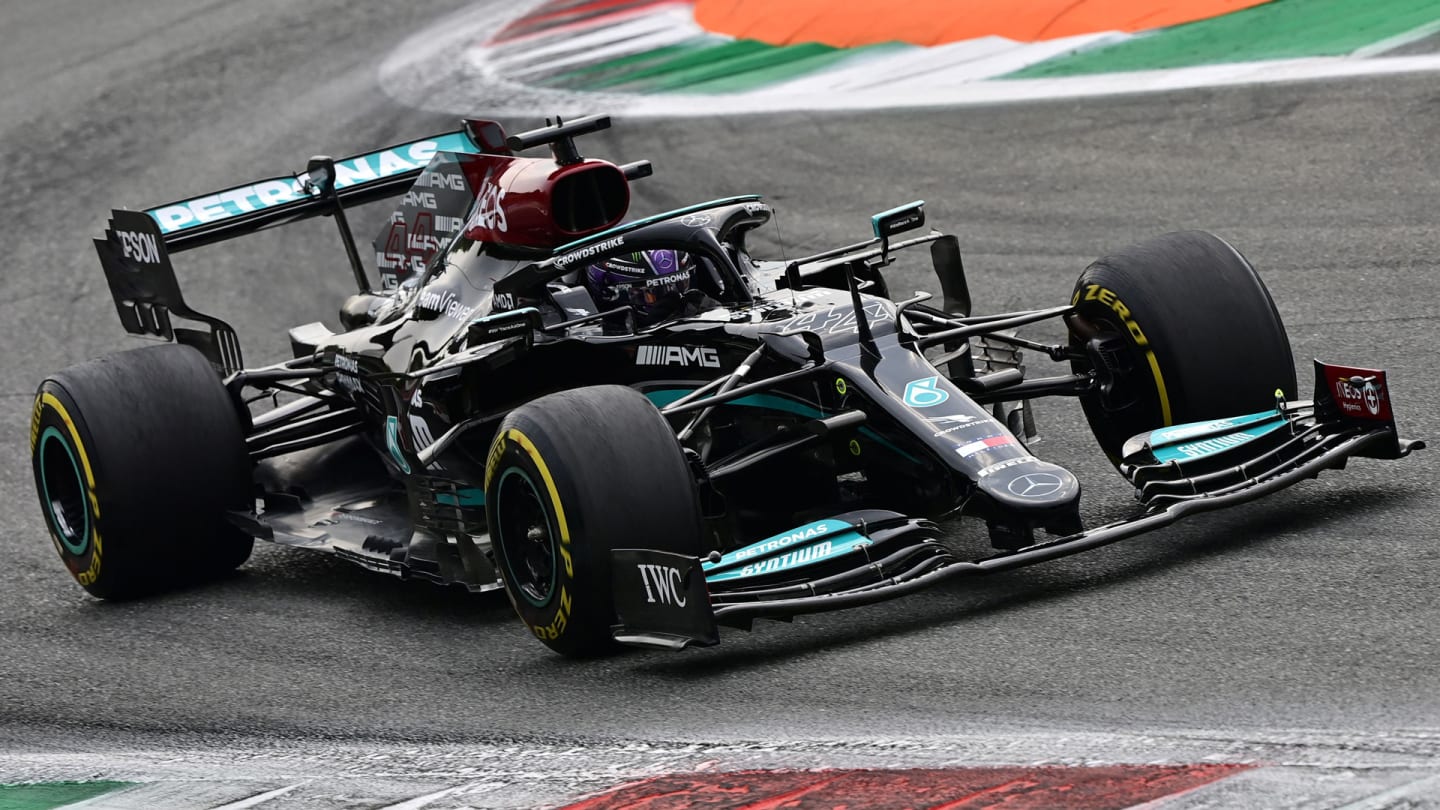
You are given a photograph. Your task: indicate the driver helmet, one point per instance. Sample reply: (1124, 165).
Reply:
(651, 281)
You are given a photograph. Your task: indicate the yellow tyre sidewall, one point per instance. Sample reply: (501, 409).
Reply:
(55, 419)
(514, 453)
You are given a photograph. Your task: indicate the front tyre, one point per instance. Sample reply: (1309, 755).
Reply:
(569, 478)
(137, 456)
(1178, 328)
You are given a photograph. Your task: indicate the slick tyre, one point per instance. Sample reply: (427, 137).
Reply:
(1179, 328)
(569, 478)
(137, 456)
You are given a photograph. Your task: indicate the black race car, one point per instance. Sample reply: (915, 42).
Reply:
(640, 430)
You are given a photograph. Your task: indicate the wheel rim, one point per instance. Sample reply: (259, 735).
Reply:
(63, 492)
(526, 537)
(1124, 395)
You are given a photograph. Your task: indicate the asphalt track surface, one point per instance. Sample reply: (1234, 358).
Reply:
(1300, 630)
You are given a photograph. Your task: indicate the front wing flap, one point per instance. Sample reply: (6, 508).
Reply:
(1349, 416)
(673, 601)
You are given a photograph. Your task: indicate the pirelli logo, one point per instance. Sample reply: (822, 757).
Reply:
(703, 357)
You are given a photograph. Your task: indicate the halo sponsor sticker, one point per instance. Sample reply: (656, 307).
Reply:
(925, 393)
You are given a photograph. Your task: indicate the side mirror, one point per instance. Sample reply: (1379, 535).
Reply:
(320, 175)
(886, 224)
(907, 217)
(511, 323)
(637, 170)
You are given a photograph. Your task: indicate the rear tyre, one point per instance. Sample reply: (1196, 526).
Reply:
(137, 456)
(1180, 328)
(571, 477)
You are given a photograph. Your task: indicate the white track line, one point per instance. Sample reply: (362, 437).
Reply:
(1426, 788)
(604, 42)
(1397, 41)
(780, 98)
(939, 67)
(260, 798)
(428, 799)
(190, 794)
(424, 72)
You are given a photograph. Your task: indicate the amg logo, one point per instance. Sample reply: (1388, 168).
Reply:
(424, 199)
(141, 247)
(454, 182)
(677, 356)
(424, 244)
(663, 584)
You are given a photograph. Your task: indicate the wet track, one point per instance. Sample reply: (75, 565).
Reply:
(1300, 630)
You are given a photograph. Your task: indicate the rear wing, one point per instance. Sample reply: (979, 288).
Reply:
(135, 252)
(278, 200)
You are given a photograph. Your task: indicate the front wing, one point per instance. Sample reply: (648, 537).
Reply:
(672, 601)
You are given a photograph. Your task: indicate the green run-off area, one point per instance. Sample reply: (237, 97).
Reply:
(49, 795)
(705, 65)
(1283, 29)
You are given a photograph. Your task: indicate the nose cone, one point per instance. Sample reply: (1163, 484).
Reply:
(1032, 487)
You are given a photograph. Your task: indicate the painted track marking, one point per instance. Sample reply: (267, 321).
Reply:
(508, 76)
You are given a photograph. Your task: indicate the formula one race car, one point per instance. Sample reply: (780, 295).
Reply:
(640, 431)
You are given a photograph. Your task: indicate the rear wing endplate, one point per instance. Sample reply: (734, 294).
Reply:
(142, 282)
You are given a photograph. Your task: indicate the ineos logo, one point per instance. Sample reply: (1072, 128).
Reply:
(1372, 397)
(1036, 485)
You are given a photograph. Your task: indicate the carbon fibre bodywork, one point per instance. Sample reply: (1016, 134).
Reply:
(825, 423)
